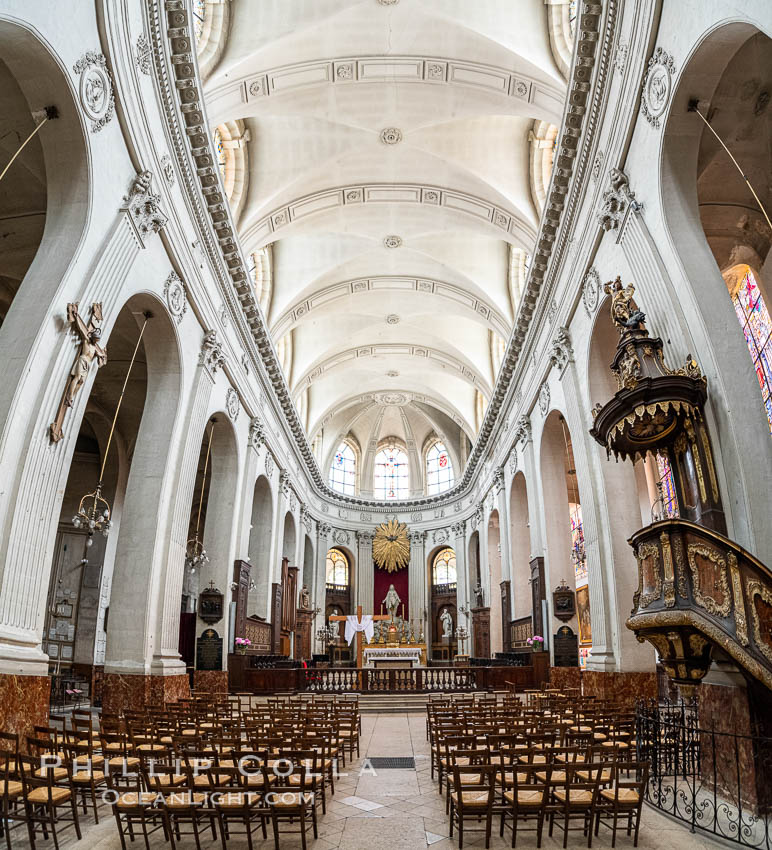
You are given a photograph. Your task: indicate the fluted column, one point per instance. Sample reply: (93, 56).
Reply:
(417, 577)
(365, 571)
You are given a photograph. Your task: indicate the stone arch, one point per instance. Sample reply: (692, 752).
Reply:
(261, 526)
(51, 223)
(557, 512)
(520, 543)
(494, 566)
(289, 537)
(684, 180)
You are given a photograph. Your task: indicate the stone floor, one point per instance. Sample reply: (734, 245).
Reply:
(392, 810)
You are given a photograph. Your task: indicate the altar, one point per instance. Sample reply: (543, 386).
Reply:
(383, 657)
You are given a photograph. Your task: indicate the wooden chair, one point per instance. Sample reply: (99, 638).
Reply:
(11, 788)
(292, 799)
(624, 799)
(132, 805)
(573, 795)
(241, 803)
(474, 787)
(526, 799)
(43, 798)
(85, 778)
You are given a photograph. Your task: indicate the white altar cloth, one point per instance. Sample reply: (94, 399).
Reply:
(409, 655)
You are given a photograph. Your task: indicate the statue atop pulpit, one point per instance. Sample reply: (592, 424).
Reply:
(392, 601)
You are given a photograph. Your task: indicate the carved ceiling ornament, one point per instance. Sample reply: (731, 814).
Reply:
(168, 169)
(391, 546)
(561, 351)
(544, 398)
(591, 290)
(143, 56)
(269, 465)
(657, 86)
(440, 536)
(176, 298)
(256, 433)
(340, 537)
(95, 89)
(391, 136)
(232, 403)
(392, 241)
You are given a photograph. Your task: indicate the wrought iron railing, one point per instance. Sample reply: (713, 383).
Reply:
(715, 782)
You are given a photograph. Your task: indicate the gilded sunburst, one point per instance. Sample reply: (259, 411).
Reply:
(391, 548)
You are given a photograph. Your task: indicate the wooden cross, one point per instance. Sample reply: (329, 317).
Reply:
(342, 619)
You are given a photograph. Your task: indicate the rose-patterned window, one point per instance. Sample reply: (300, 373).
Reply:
(754, 320)
(665, 479)
(439, 470)
(343, 470)
(391, 477)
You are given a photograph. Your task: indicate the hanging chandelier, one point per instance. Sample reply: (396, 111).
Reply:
(195, 554)
(94, 510)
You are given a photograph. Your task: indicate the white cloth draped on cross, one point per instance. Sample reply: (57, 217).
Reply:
(353, 625)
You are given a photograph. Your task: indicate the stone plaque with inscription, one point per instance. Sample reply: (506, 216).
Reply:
(209, 651)
(566, 647)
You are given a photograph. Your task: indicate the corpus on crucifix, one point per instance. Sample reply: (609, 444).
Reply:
(89, 350)
(359, 623)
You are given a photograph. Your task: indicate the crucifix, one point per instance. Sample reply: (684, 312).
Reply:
(89, 350)
(342, 619)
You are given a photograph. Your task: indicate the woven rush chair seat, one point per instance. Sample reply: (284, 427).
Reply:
(184, 799)
(525, 797)
(132, 799)
(626, 795)
(40, 795)
(575, 795)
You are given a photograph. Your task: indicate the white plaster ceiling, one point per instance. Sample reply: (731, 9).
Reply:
(316, 82)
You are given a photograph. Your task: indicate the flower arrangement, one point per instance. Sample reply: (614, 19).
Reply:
(536, 642)
(242, 644)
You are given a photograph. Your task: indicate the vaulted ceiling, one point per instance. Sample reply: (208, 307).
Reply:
(386, 153)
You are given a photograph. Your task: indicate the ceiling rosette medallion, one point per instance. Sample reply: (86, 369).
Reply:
(391, 546)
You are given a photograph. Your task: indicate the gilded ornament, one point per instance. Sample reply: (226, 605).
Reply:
(391, 546)
(740, 622)
(756, 588)
(667, 559)
(648, 578)
(701, 596)
(625, 313)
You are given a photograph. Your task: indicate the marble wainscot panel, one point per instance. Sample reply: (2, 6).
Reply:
(211, 681)
(726, 756)
(565, 677)
(122, 691)
(624, 689)
(24, 704)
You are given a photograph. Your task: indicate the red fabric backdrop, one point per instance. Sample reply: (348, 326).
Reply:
(382, 582)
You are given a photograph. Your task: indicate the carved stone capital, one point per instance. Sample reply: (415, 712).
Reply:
(498, 479)
(211, 356)
(523, 430)
(416, 538)
(458, 528)
(256, 433)
(324, 529)
(143, 207)
(365, 538)
(561, 352)
(617, 201)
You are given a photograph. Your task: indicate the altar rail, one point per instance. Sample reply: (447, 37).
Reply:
(336, 680)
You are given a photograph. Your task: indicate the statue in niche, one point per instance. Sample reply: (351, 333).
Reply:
(89, 350)
(479, 596)
(447, 623)
(392, 601)
(625, 313)
(305, 598)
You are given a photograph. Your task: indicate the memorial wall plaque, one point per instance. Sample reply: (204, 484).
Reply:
(209, 651)
(566, 647)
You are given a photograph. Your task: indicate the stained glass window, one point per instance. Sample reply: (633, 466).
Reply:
(444, 568)
(337, 568)
(343, 470)
(572, 12)
(391, 474)
(199, 13)
(665, 478)
(439, 470)
(578, 555)
(754, 319)
(219, 151)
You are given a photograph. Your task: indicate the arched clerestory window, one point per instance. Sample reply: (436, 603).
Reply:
(753, 315)
(439, 469)
(391, 478)
(444, 572)
(343, 470)
(337, 570)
